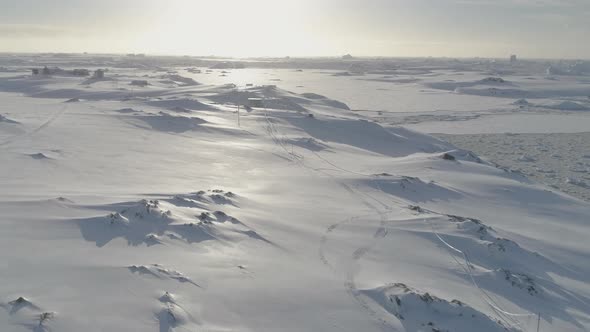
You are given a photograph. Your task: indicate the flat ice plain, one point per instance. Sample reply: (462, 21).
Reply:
(145, 201)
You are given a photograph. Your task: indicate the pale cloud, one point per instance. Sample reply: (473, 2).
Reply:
(32, 31)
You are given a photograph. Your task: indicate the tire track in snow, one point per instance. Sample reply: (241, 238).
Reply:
(380, 233)
(350, 282)
(44, 125)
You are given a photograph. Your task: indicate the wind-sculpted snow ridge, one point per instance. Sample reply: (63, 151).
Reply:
(29, 315)
(73, 90)
(369, 136)
(19, 304)
(502, 88)
(39, 156)
(308, 143)
(272, 97)
(190, 219)
(160, 272)
(569, 106)
(394, 79)
(4, 119)
(560, 105)
(127, 110)
(178, 79)
(421, 311)
(453, 86)
(173, 123)
(324, 100)
(173, 316)
(463, 155)
(412, 189)
(179, 103)
(498, 265)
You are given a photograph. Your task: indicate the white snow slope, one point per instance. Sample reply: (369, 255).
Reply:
(150, 209)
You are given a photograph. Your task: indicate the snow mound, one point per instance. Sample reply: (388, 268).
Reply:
(180, 80)
(370, 136)
(19, 304)
(451, 85)
(489, 248)
(307, 143)
(412, 188)
(160, 272)
(228, 65)
(577, 182)
(272, 97)
(173, 315)
(569, 106)
(186, 103)
(39, 156)
(173, 124)
(421, 311)
(171, 318)
(311, 95)
(344, 73)
(492, 80)
(390, 79)
(214, 196)
(489, 87)
(463, 155)
(526, 158)
(325, 100)
(4, 119)
(521, 102)
(30, 315)
(493, 263)
(127, 110)
(492, 92)
(191, 219)
(521, 281)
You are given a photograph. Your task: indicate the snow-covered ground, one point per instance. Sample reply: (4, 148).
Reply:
(162, 208)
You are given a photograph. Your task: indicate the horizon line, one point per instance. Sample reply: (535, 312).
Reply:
(286, 57)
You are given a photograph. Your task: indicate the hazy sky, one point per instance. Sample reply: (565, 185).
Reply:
(494, 28)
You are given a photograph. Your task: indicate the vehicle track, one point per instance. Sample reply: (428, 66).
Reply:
(380, 233)
(44, 125)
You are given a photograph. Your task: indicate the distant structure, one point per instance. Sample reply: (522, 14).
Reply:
(80, 72)
(347, 57)
(99, 73)
(513, 58)
(142, 83)
(46, 71)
